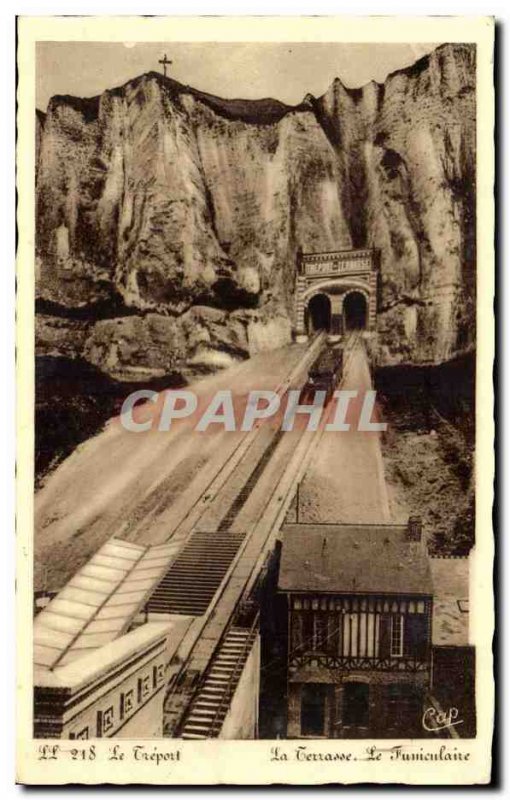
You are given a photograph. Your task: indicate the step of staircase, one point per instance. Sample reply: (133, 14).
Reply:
(200, 731)
(196, 574)
(201, 715)
(206, 705)
(221, 663)
(214, 686)
(212, 694)
(209, 710)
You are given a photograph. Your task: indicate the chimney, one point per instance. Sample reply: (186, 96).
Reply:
(414, 529)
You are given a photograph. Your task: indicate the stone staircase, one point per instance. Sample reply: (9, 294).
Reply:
(210, 707)
(196, 574)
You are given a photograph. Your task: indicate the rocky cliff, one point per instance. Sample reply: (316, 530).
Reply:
(168, 220)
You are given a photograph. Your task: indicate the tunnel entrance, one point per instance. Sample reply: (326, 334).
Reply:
(339, 275)
(355, 311)
(319, 313)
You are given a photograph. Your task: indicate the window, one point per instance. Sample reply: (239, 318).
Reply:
(144, 687)
(355, 704)
(320, 632)
(313, 700)
(158, 675)
(297, 632)
(127, 702)
(333, 631)
(301, 631)
(397, 635)
(105, 721)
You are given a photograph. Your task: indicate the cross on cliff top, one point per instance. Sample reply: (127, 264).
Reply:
(164, 61)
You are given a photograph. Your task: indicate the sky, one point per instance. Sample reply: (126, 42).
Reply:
(285, 71)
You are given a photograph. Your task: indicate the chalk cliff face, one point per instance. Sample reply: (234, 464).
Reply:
(168, 221)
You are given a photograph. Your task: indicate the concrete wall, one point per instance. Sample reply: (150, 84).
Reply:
(117, 691)
(241, 721)
(141, 693)
(147, 722)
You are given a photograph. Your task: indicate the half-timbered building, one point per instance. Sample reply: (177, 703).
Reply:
(359, 609)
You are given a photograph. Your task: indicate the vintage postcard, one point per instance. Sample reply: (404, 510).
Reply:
(255, 426)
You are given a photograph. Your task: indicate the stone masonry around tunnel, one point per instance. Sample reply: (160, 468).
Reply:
(336, 291)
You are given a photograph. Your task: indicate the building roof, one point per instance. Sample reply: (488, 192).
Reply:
(98, 604)
(84, 670)
(352, 559)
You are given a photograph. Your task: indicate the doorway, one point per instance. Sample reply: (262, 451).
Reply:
(355, 704)
(355, 311)
(319, 313)
(313, 709)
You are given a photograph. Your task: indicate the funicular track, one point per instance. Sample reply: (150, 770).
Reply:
(218, 478)
(241, 498)
(200, 661)
(231, 494)
(190, 591)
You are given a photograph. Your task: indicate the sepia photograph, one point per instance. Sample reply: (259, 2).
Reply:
(256, 439)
